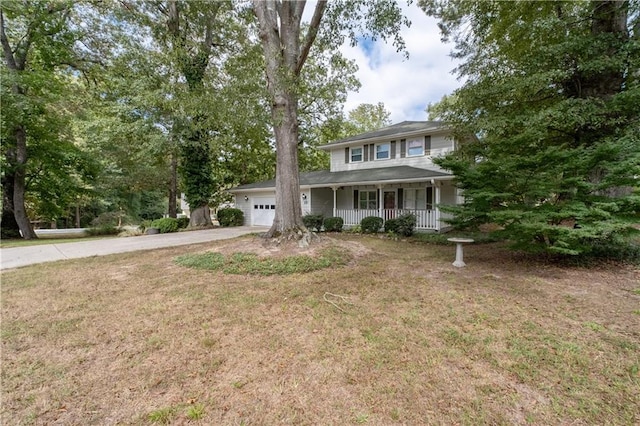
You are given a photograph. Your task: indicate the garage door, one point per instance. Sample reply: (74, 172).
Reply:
(264, 211)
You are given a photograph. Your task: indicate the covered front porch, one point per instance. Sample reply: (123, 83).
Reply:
(387, 201)
(353, 195)
(425, 219)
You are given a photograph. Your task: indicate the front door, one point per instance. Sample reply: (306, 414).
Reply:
(389, 200)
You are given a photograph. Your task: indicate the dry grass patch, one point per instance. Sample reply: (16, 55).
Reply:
(138, 339)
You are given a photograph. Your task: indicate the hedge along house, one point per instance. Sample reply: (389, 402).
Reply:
(384, 173)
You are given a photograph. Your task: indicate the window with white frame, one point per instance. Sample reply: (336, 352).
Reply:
(368, 200)
(415, 147)
(383, 151)
(356, 154)
(415, 199)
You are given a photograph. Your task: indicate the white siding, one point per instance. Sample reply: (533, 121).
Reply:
(440, 144)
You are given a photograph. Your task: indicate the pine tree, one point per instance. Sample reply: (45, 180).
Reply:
(552, 100)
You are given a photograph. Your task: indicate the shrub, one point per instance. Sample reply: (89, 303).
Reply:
(165, 225)
(333, 224)
(391, 225)
(313, 221)
(371, 224)
(183, 222)
(230, 217)
(405, 224)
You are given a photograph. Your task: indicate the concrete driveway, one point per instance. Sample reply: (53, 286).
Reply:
(30, 255)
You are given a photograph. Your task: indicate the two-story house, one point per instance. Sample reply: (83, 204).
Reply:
(384, 173)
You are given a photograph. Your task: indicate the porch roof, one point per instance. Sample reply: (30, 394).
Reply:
(383, 175)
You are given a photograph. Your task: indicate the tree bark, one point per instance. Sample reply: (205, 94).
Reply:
(280, 28)
(19, 185)
(200, 217)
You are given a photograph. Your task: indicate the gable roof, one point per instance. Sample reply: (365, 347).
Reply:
(406, 128)
(326, 178)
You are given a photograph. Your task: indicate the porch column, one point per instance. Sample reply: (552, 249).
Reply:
(335, 200)
(437, 203)
(380, 202)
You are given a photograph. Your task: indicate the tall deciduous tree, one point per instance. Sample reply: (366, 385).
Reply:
(287, 44)
(38, 42)
(552, 94)
(368, 117)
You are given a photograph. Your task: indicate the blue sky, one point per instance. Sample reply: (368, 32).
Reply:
(405, 86)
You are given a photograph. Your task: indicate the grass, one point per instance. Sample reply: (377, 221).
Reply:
(409, 340)
(250, 263)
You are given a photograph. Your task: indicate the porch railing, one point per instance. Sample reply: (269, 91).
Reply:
(425, 219)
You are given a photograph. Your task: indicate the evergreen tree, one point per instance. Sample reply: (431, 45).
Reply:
(551, 101)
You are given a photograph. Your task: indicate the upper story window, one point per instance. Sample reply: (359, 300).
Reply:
(383, 151)
(415, 147)
(356, 155)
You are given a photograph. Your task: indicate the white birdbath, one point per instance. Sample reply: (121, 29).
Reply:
(459, 263)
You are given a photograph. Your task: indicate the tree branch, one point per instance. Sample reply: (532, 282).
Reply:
(312, 32)
(6, 47)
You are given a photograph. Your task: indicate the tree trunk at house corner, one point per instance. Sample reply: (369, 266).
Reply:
(200, 217)
(287, 223)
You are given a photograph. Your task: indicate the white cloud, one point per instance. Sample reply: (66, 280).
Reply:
(405, 87)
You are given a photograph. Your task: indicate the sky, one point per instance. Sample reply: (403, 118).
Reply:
(405, 86)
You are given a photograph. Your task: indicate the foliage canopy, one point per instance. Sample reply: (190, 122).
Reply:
(551, 99)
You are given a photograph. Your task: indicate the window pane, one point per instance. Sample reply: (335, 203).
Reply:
(421, 202)
(356, 154)
(415, 147)
(373, 200)
(409, 198)
(382, 151)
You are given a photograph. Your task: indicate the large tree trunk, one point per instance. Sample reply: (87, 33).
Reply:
(288, 215)
(280, 32)
(200, 217)
(19, 185)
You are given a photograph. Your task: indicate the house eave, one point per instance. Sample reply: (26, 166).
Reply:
(429, 131)
(432, 179)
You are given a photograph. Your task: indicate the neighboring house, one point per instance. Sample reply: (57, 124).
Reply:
(384, 173)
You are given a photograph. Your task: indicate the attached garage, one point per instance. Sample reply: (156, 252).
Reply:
(263, 211)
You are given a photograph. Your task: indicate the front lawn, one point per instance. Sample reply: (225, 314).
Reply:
(394, 335)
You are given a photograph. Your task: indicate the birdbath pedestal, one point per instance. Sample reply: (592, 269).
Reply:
(459, 263)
